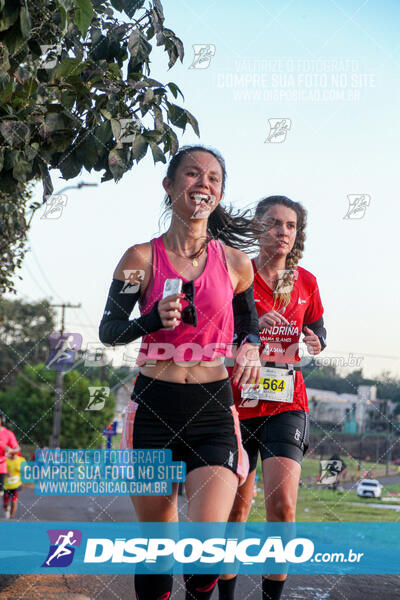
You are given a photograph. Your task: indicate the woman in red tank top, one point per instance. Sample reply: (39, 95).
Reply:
(182, 397)
(274, 420)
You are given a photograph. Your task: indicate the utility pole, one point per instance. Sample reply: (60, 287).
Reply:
(388, 448)
(55, 436)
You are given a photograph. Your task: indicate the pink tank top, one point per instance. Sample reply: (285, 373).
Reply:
(213, 301)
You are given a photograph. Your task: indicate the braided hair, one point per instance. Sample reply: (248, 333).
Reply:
(284, 285)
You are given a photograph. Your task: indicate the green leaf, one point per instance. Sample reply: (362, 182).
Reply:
(116, 128)
(138, 47)
(175, 90)
(1, 158)
(10, 159)
(69, 166)
(158, 119)
(30, 87)
(107, 176)
(117, 163)
(4, 62)
(53, 122)
(4, 80)
(22, 171)
(150, 32)
(66, 4)
(9, 14)
(131, 6)
(193, 122)
(177, 116)
(15, 133)
(158, 7)
(100, 45)
(64, 20)
(6, 94)
(83, 15)
(118, 5)
(86, 152)
(25, 21)
(179, 47)
(68, 99)
(103, 133)
(68, 67)
(173, 144)
(7, 183)
(156, 22)
(61, 141)
(152, 135)
(113, 67)
(31, 151)
(172, 53)
(158, 154)
(106, 113)
(139, 147)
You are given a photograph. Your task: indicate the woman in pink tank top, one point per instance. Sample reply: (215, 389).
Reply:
(182, 397)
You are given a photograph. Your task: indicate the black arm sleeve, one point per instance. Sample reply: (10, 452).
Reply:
(115, 327)
(318, 328)
(245, 317)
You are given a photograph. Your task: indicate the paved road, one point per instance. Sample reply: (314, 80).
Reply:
(383, 480)
(120, 587)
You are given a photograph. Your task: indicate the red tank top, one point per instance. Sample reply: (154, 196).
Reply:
(213, 301)
(280, 344)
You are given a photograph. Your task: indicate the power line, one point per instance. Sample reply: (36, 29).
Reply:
(44, 275)
(44, 292)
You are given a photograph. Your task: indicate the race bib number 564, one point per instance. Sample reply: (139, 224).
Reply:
(276, 385)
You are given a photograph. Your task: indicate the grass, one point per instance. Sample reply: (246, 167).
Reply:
(310, 468)
(319, 504)
(316, 504)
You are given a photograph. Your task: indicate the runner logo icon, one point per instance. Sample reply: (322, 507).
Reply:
(297, 435)
(278, 129)
(62, 547)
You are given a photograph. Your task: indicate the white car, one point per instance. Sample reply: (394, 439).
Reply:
(369, 488)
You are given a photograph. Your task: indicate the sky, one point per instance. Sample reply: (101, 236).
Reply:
(328, 72)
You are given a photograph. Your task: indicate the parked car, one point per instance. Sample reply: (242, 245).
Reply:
(369, 488)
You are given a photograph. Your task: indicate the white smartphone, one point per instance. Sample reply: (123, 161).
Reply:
(171, 287)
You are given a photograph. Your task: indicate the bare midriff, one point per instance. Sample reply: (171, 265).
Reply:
(168, 370)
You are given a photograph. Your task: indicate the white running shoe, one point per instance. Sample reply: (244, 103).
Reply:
(7, 513)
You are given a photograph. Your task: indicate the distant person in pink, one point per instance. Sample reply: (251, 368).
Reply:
(8, 444)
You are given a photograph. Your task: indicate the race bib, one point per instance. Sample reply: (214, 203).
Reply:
(12, 480)
(276, 385)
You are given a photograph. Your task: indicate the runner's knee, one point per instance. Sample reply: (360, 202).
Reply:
(282, 510)
(240, 512)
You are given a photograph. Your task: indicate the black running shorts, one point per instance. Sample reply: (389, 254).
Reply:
(11, 494)
(198, 422)
(285, 434)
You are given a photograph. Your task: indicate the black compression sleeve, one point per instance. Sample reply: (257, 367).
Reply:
(246, 317)
(318, 328)
(115, 327)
